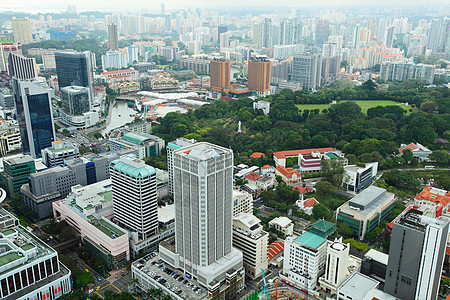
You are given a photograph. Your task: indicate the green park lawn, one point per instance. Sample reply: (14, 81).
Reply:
(364, 104)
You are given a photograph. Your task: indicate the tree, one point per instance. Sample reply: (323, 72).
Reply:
(440, 156)
(344, 229)
(333, 171)
(84, 279)
(324, 188)
(407, 155)
(320, 211)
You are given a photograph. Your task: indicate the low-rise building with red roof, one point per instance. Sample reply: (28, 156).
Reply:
(266, 170)
(306, 205)
(275, 249)
(288, 175)
(252, 178)
(418, 150)
(434, 198)
(309, 160)
(257, 155)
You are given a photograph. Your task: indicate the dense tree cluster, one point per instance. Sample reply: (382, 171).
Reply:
(374, 136)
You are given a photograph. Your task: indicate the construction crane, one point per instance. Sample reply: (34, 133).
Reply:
(265, 288)
(276, 290)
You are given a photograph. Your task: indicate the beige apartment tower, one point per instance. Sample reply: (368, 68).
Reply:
(219, 73)
(259, 75)
(22, 31)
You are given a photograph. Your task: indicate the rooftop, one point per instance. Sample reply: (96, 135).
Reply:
(434, 195)
(132, 167)
(135, 138)
(323, 228)
(282, 221)
(377, 256)
(368, 197)
(288, 153)
(166, 213)
(274, 249)
(23, 159)
(358, 285)
(310, 240)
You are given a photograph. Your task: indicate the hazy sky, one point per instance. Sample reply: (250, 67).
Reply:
(154, 5)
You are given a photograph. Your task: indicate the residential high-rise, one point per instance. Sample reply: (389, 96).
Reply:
(34, 113)
(307, 70)
(135, 198)
(74, 68)
(259, 68)
(250, 238)
(389, 36)
(113, 37)
(203, 185)
(416, 274)
(224, 40)
(22, 31)
(439, 35)
(356, 36)
(219, 73)
(323, 31)
(114, 59)
(21, 67)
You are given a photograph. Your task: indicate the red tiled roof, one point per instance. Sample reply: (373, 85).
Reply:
(287, 172)
(409, 146)
(252, 176)
(265, 167)
(301, 189)
(310, 202)
(427, 195)
(284, 154)
(274, 249)
(257, 155)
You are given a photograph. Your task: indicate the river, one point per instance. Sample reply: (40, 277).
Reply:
(120, 108)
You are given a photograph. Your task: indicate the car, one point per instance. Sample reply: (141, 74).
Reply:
(185, 281)
(153, 262)
(98, 278)
(90, 291)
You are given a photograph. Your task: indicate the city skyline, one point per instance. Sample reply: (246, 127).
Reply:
(45, 6)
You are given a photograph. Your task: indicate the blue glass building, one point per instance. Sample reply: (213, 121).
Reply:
(35, 117)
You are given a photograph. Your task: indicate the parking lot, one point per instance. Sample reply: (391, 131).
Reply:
(171, 278)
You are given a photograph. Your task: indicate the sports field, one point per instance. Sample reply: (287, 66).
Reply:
(364, 104)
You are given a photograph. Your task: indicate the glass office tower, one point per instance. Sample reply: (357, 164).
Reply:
(74, 68)
(35, 117)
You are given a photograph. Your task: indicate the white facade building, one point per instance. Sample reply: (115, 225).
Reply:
(304, 260)
(203, 186)
(242, 202)
(283, 224)
(252, 240)
(135, 197)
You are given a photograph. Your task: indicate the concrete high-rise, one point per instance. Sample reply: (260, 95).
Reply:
(203, 186)
(416, 274)
(307, 70)
(171, 147)
(113, 37)
(75, 99)
(219, 73)
(34, 113)
(259, 74)
(74, 68)
(21, 67)
(22, 31)
(135, 197)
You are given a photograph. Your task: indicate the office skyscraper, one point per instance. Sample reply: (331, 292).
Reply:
(75, 100)
(219, 73)
(307, 70)
(22, 31)
(203, 186)
(134, 196)
(21, 67)
(34, 113)
(259, 68)
(416, 256)
(113, 37)
(74, 68)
